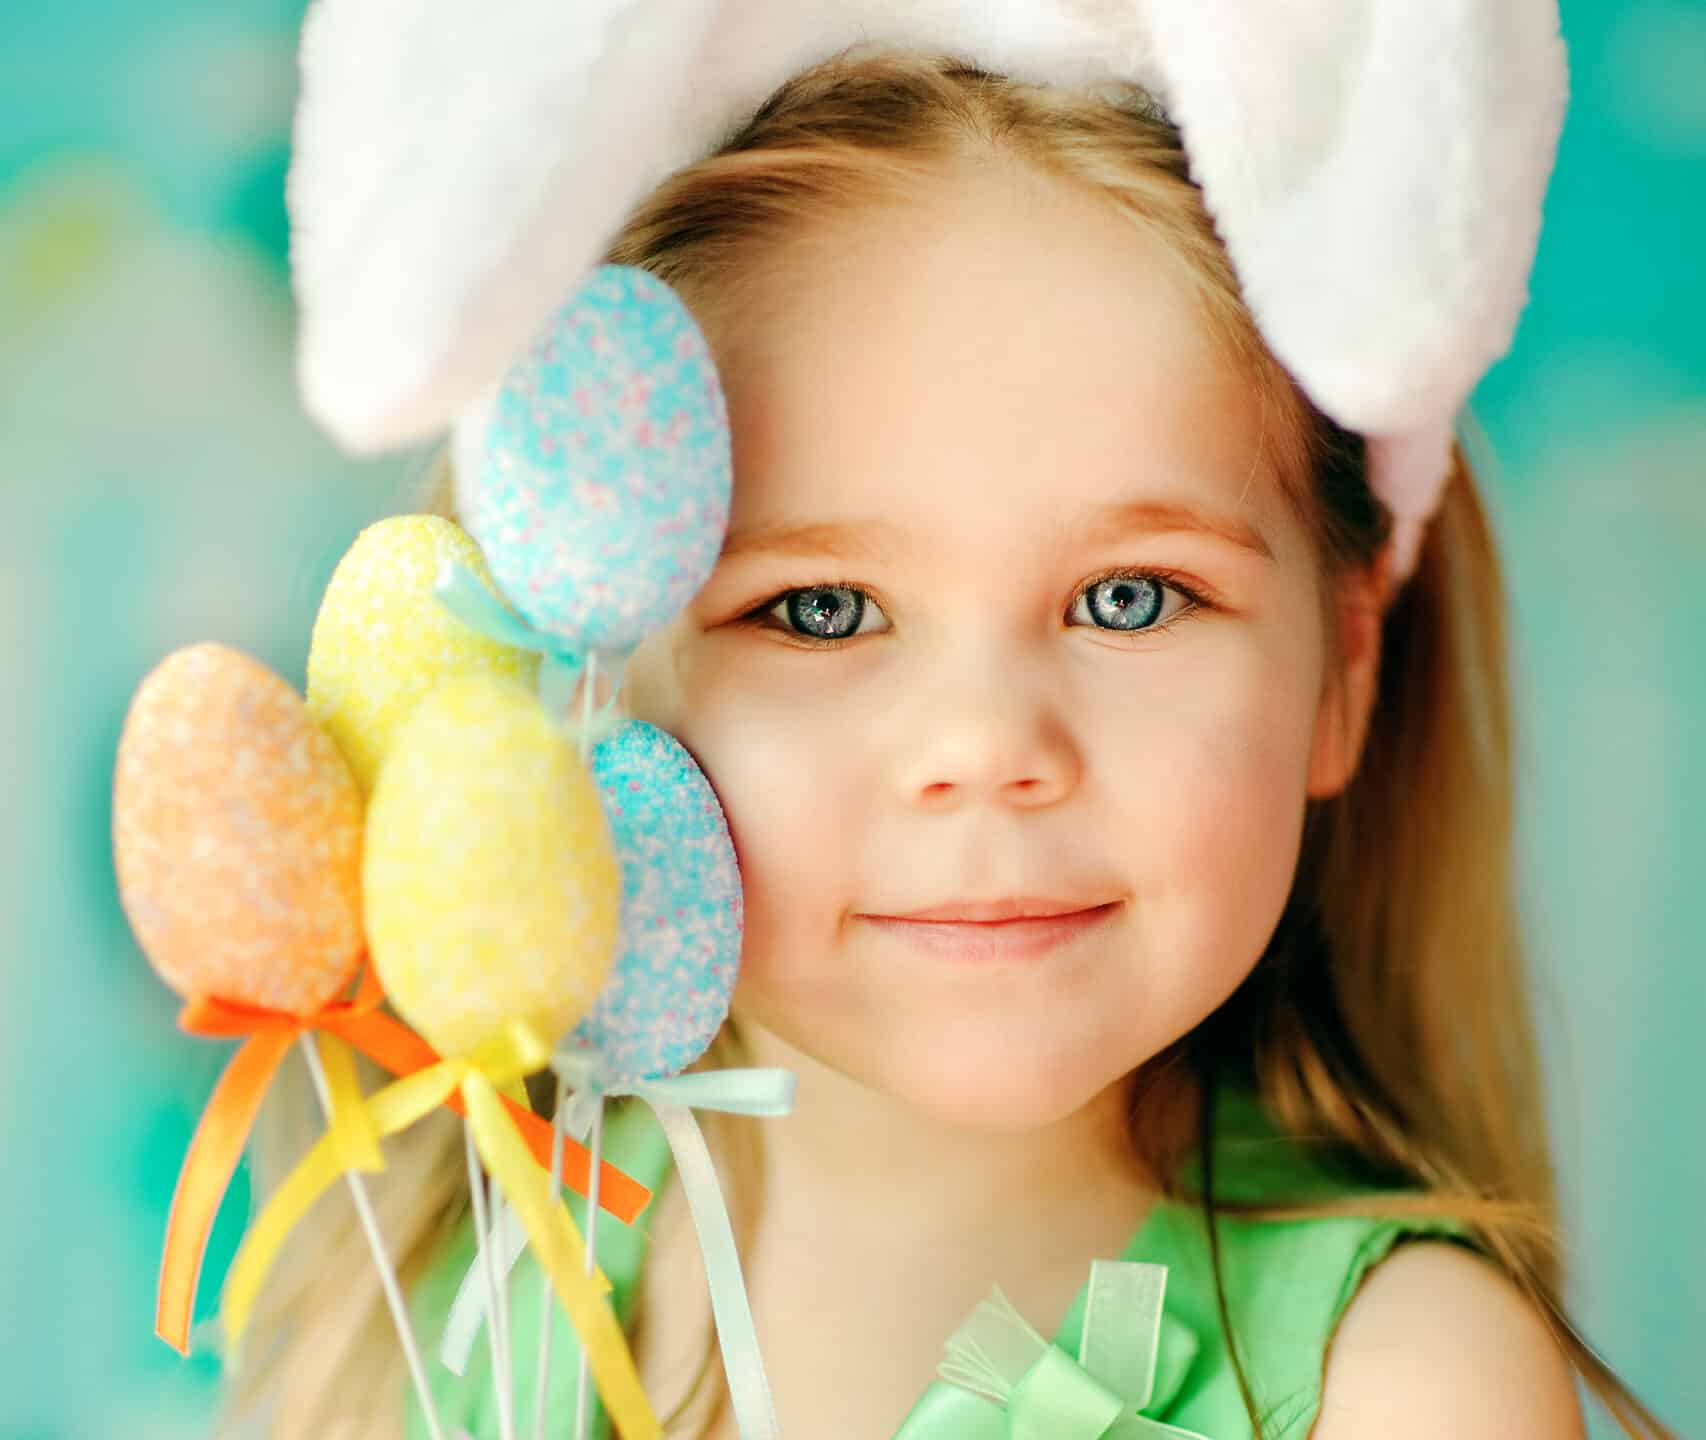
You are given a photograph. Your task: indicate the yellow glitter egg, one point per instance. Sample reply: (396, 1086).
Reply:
(237, 834)
(491, 883)
(382, 641)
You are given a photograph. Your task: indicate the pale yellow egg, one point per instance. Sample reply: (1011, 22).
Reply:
(382, 641)
(491, 884)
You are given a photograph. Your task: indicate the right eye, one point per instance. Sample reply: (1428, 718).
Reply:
(823, 612)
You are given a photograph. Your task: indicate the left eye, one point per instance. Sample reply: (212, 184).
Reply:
(1125, 603)
(824, 612)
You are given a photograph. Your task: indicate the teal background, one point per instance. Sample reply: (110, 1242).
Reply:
(161, 487)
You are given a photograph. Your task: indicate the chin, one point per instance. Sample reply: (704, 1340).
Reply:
(997, 1110)
(1006, 1089)
(998, 1075)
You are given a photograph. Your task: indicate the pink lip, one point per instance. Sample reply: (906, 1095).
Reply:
(1015, 907)
(989, 940)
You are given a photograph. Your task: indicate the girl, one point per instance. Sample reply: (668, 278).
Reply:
(1127, 856)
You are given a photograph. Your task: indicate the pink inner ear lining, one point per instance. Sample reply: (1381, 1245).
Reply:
(1388, 581)
(1397, 559)
(1409, 472)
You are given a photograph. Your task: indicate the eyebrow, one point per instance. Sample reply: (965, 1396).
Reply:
(1112, 523)
(1106, 525)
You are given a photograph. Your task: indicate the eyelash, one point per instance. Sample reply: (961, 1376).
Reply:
(1196, 596)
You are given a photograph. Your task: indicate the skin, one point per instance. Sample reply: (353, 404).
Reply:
(980, 373)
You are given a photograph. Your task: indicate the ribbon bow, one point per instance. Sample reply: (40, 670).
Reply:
(459, 590)
(673, 1100)
(1040, 1392)
(229, 1116)
(476, 1079)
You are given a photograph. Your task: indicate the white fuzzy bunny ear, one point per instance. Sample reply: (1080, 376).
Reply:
(457, 165)
(1376, 170)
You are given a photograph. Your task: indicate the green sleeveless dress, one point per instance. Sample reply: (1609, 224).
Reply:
(1287, 1283)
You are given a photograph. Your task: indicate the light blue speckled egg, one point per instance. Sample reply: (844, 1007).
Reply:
(603, 493)
(681, 908)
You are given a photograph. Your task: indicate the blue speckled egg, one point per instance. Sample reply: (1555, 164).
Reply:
(603, 493)
(681, 908)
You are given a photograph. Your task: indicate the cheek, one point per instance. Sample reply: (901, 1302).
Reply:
(784, 762)
(1216, 799)
(1229, 793)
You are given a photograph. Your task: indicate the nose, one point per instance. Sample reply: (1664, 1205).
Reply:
(987, 732)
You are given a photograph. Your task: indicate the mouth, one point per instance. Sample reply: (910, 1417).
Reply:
(1023, 936)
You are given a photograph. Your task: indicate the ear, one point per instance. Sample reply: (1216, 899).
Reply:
(1347, 698)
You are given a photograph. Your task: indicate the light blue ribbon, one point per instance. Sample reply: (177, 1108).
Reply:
(760, 1092)
(673, 1100)
(1040, 1390)
(459, 590)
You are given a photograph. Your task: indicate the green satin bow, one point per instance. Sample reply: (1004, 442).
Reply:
(1005, 1382)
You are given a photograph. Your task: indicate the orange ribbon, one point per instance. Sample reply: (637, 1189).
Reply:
(399, 1050)
(217, 1144)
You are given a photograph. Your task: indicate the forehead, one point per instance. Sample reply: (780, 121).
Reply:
(1007, 347)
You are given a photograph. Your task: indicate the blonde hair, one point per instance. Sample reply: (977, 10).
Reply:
(1387, 1022)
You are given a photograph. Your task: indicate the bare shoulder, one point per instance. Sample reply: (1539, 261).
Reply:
(1437, 1342)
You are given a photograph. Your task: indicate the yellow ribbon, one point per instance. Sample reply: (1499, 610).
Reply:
(478, 1077)
(217, 1144)
(350, 1127)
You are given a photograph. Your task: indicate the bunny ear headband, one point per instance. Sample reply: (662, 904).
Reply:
(1375, 169)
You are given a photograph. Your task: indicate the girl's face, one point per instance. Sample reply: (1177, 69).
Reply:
(1011, 608)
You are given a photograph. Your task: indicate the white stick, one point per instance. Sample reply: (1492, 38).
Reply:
(589, 687)
(586, 701)
(596, 1146)
(545, 1296)
(492, 1244)
(387, 1272)
(501, 1376)
(583, 1408)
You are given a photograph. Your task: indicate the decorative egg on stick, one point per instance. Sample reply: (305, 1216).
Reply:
(602, 494)
(237, 839)
(493, 906)
(682, 917)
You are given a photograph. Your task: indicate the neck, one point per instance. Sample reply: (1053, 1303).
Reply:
(893, 1188)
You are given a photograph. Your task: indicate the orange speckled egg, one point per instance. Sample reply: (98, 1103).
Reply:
(237, 835)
